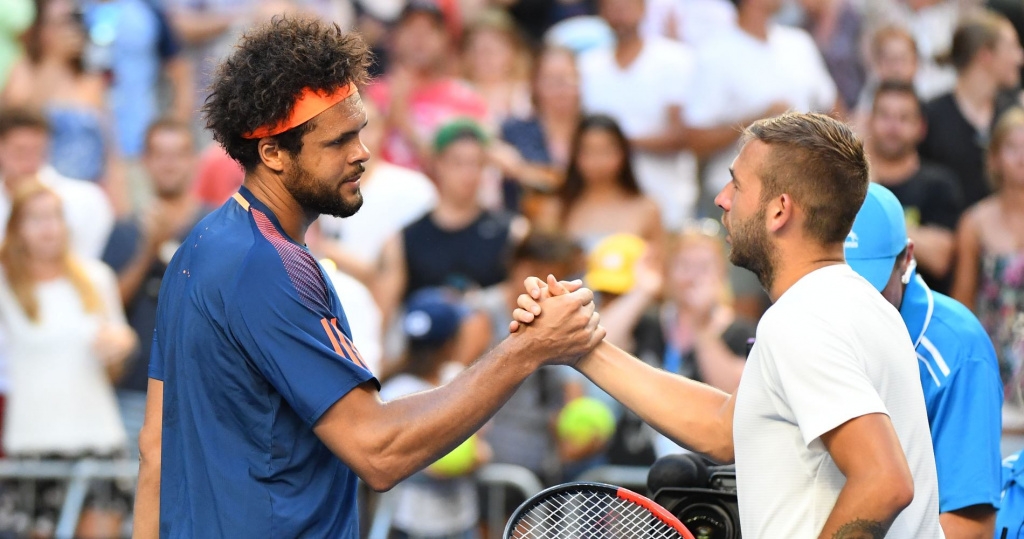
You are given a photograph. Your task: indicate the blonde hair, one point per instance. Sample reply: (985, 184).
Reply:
(14, 259)
(1010, 120)
(500, 22)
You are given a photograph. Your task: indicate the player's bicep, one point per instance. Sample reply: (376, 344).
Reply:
(867, 446)
(349, 426)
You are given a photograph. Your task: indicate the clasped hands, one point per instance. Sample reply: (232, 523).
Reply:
(561, 315)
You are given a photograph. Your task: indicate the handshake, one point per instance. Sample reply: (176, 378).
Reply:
(558, 319)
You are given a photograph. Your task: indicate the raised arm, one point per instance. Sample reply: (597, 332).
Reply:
(386, 442)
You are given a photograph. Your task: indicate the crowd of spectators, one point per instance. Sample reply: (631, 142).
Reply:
(509, 138)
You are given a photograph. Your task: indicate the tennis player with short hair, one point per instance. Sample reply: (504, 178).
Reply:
(828, 426)
(260, 412)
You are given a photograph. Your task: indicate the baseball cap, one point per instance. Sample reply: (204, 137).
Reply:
(610, 264)
(456, 130)
(432, 316)
(878, 236)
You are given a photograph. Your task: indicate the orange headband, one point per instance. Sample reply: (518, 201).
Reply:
(309, 104)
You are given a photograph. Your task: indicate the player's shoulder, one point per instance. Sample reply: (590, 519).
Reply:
(955, 332)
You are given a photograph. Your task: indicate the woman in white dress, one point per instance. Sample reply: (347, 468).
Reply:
(67, 339)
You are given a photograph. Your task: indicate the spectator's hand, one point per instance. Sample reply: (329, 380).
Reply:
(157, 227)
(647, 273)
(529, 308)
(568, 328)
(113, 344)
(506, 157)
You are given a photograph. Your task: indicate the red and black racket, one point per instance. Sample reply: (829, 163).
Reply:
(592, 511)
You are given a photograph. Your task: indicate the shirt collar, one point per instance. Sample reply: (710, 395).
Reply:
(248, 201)
(916, 310)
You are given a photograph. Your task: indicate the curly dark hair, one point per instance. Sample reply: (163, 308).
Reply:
(271, 65)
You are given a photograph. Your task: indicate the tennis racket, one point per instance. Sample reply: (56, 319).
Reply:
(592, 511)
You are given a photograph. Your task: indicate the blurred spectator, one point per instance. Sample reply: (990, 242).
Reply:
(542, 142)
(836, 27)
(393, 197)
(141, 246)
(931, 23)
(430, 504)
(987, 58)
(626, 278)
(521, 432)
(601, 196)
(218, 176)
(892, 56)
(495, 62)
(689, 21)
(67, 339)
(132, 43)
(459, 245)
(15, 17)
(929, 193)
(419, 94)
(24, 141)
(641, 82)
(990, 256)
(696, 332)
(752, 70)
(53, 78)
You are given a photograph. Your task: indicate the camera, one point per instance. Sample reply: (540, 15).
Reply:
(702, 496)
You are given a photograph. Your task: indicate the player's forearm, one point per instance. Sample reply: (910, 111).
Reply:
(867, 507)
(146, 520)
(692, 414)
(976, 522)
(416, 430)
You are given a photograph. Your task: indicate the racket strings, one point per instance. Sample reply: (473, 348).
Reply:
(590, 515)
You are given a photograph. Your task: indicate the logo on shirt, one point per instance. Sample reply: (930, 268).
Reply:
(851, 241)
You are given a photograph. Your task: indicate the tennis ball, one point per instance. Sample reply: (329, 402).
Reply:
(459, 462)
(585, 419)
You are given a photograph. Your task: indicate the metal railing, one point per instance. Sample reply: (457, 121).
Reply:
(78, 474)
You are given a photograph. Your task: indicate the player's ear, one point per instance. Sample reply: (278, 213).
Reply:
(778, 211)
(271, 154)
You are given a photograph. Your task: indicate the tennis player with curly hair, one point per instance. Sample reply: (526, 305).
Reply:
(261, 413)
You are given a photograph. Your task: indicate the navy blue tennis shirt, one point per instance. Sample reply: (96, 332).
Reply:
(253, 346)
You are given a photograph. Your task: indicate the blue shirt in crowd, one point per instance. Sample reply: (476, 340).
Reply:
(252, 346)
(963, 394)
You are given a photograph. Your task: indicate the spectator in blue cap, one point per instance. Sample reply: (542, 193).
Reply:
(959, 372)
(430, 504)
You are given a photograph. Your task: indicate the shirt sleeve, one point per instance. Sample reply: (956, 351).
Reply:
(707, 95)
(156, 361)
(821, 378)
(168, 44)
(966, 431)
(294, 341)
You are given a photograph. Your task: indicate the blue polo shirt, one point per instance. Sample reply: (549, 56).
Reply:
(963, 395)
(252, 346)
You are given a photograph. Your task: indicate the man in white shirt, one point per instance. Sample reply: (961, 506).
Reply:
(828, 427)
(24, 142)
(641, 82)
(750, 70)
